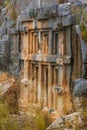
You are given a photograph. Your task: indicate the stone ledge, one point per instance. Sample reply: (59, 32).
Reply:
(48, 58)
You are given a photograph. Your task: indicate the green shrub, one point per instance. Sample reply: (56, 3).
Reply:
(40, 121)
(84, 33)
(6, 123)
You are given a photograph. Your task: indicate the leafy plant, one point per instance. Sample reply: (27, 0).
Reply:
(84, 33)
(40, 122)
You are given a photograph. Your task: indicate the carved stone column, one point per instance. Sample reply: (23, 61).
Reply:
(39, 84)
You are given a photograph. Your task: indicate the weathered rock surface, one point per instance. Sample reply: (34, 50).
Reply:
(74, 121)
(25, 12)
(68, 122)
(83, 1)
(9, 91)
(5, 83)
(80, 88)
(78, 119)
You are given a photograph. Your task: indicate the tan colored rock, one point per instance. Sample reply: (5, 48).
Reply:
(54, 115)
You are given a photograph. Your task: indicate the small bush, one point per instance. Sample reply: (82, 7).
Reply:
(40, 121)
(6, 123)
(84, 33)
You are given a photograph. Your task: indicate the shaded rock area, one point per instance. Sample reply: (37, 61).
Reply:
(10, 91)
(5, 83)
(69, 122)
(78, 119)
(11, 96)
(74, 121)
(80, 88)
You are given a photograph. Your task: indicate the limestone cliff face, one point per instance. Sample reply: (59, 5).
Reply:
(20, 4)
(41, 77)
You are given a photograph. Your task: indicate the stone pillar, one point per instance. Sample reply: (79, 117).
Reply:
(37, 43)
(40, 41)
(50, 43)
(26, 64)
(45, 87)
(68, 42)
(39, 85)
(34, 86)
(56, 86)
(49, 85)
(60, 101)
(43, 45)
(25, 80)
(30, 97)
(33, 43)
(24, 87)
(30, 42)
(60, 43)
